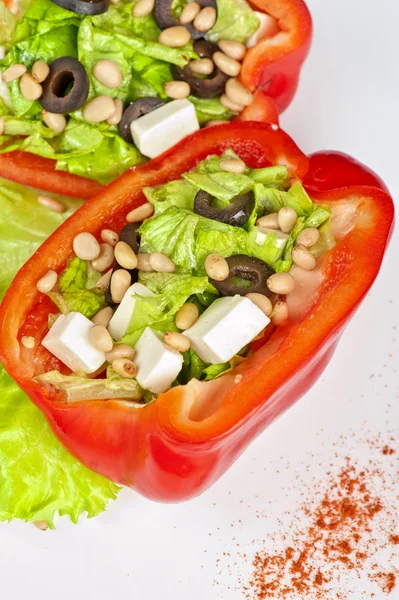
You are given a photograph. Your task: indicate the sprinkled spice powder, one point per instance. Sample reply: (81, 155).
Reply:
(340, 532)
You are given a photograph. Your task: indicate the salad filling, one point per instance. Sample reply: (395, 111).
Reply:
(82, 81)
(197, 279)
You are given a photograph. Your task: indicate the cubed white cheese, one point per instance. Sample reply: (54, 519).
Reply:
(69, 341)
(160, 129)
(157, 364)
(267, 28)
(121, 317)
(280, 237)
(228, 325)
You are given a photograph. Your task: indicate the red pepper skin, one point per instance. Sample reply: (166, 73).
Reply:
(274, 65)
(38, 172)
(174, 449)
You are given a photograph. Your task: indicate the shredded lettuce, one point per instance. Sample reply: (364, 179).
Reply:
(78, 388)
(74, 291)
(236, 21)
(158, 312)
(8, 22)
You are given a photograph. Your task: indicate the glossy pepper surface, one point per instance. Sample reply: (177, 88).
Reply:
(177, 446)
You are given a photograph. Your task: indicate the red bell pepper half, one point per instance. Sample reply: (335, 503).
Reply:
(177, 446)
(38, 172)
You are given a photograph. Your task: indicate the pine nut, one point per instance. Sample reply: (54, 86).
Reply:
(40, 71)
(120, 351)
(176, 341)
(216, 267)
(238, 93)
(228, 65)
(51, 204)
(115, 119)
(100, 338)
(105, 259)
(281, 283)
(186, 316)
(12, 73)
(143, 263)
(47, 282)
(103, 316)
(30, 89)
(161, 263)
(109, 237)
(108, 72)
(99, 109)
(177, 89)
(140, 213)
(2, 125)
(269, 221)
(42, 525)
(143, 8)
(124, 367)
(262, 302)
(54, 121)
(227, 103)
(205, 19)
(234, 165)
(235, 50)
(28, 341)
(125, 256)
(202, 66)
(303, 258)
(287, 218)
(103, 282)
(189, 12)
(215, 122)
(308, 237)
(120, 283)
(280, 313)
(86, 246)
(175, 37)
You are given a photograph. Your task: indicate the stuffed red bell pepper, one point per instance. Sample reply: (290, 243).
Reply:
(215, 300)
(96, 88)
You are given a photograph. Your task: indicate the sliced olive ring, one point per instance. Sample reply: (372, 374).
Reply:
(249, 268)
(211, 86)
(134, 111)
(236, 213)
(130, 236)
(164, 16)
(66, 87)
(84, 7)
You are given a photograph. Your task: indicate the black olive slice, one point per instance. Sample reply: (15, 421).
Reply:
(249, 268)
(66, 87)
(134, 111)
(211, 86)
(129, 235)
(236, 213)
(84, 7)
(164, 16)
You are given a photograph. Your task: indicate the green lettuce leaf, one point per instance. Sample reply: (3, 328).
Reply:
(178, 193)
(38, 477)
(73, 294)
(171, 292)
(236, 21)
(8, 22)
(326, 240)
(24, 225)
(223, 185)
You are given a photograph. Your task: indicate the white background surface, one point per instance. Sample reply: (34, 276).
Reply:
(348, 100)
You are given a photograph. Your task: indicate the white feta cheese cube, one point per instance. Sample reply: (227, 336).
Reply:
(263, 233)
(228, 325)
(157, 364)
(162, 128)
(121, 317)
(69, 341)
(267, 28)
